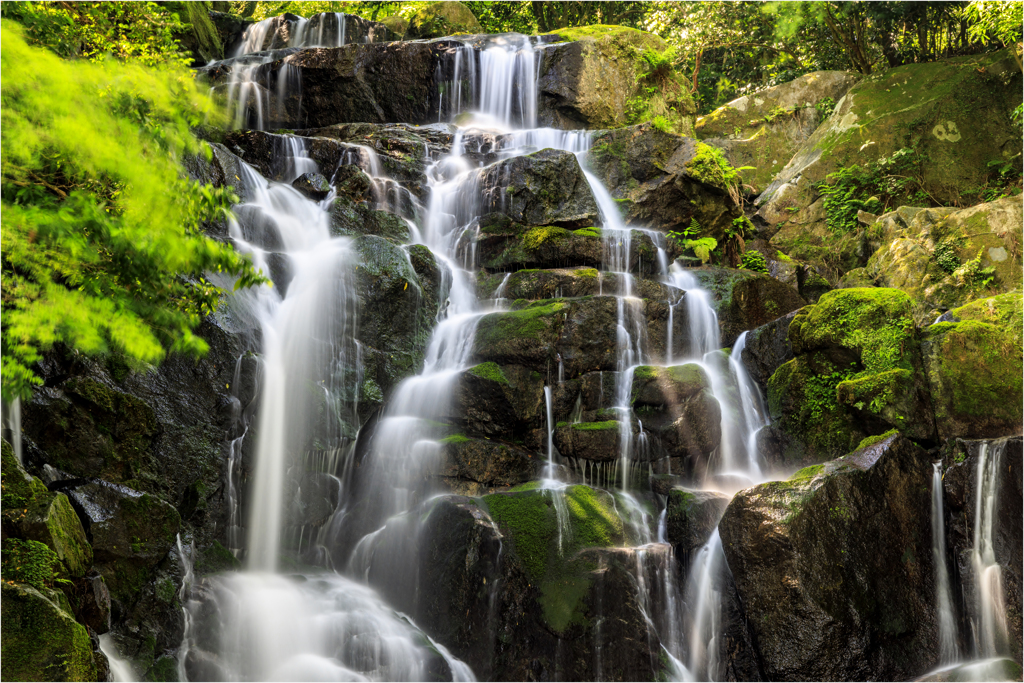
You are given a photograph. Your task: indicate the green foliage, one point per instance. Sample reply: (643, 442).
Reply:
(872, 440)
(825, 106)
(755, 261)
(687, 239)
(995, 20)
(30, 562)
(143, 32)
(946, 254)
(878, 187)
(102, 241)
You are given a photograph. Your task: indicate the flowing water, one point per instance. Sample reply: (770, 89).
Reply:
(989, 618)
(948, 651)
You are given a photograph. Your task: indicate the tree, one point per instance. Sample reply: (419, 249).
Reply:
(102, 247)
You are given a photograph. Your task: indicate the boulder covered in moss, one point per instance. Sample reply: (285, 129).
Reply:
(665, 181)
(351, 219)
(838, 558)
(49, 519)
(41, 640)
(857, 371)
(765, 130)
(438, 19)
(974, 367)
(513, 246)
(955, 113)
(593, 441)
(1003, 466)
(745, 300)
(610, 77)
(945, 257)
(541, 188)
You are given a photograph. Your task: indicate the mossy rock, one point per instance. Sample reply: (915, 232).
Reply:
(529, 520)
(479, 466)
(667, 386)
(975, 369)
(855, 550)
(41, 640)
(593, 441)
(50, 520)
(745, 300)
(691, 518)
(610, 77)
(439, 19)
(351, 219)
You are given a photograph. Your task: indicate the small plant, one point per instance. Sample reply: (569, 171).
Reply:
(30, 562)
(754, 261)
(825, 107)
(946, 255)
(776, 113)
(687, 239)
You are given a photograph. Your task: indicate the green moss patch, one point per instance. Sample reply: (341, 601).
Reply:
(489, 371)
(595, 426)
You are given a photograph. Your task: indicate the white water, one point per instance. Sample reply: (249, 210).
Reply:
(948, 651)
(989, 619)
(704, 612)
(121, 670)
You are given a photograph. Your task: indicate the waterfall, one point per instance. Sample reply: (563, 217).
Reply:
(948, 651)
(704, 611)
(121, 670)
(989, 622)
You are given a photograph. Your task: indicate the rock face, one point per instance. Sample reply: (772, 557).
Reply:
(767, 347)
(691, 518)
(744, 300)
(961, 488)
(660, 180)
(944, 258)
(838, 559)
(596, 80)
(857, 371)
(765, 130)
(974, 369)
(955, 112)
(439, 19)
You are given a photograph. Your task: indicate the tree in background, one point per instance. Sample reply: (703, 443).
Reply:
(102, 247)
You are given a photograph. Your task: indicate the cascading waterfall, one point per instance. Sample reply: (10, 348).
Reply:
(948, 651)
(989, 618)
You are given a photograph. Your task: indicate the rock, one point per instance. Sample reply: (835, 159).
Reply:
(130, 533)
(230, 29)
(285, 30)
(766, 348)
(691, 517)
(609, 77)
(41, 640)
(312, 185)
(94, 604)
(50, 520)
(838, 558)
(478, 466)
(928, 253)
(438, 19)
(800, 275)
(666, 387)
(952, 112)
(314, 496)
(765, 130)
(483, 400)
(744, 300)
(594, 441)
(532, 284)
(542, 247)
(351, 219)
(696, 432)
(542, 188)
(974, 369)
(960, 486)
(857, 371)
(657, 180)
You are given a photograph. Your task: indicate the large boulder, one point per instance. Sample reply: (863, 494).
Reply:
(745, 300)
(547, 187)
(945, 257)
(664, 181)
(834, 567)
(609, 77)
(438, 19)
(974, 369)
(690, 519)
(857, 371)
(961, 486)
(955, 113)
(478, 466)
(766, 348)
(765, 130)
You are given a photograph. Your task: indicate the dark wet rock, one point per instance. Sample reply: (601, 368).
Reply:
(838, 559)
(438, 19)
(974, 369)
(767, 347)
(42, 641)
(696, 432)
(594, 441)
(532, 284)
(600, 78)
(312, 185)
(745, 300)
(93, 609)
(351, 219)
(542, 188)
(650, 175)
(691, 518)
(352, 183)
(312, 499)
(548, 246)
(478, 466)
(960, 486)
(230, 28)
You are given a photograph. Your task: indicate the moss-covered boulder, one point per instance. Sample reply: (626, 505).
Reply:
(1004, 461)
(351, 219)
(745, 300)
(857, 371)
(438, 19)
(511, 246)
(609, 77)
(945, 257)
(49, 519)
(974, 367)
(664, 181)
(956, 113)
(531, 284)
(691, 517)
(664, 387)
(838, 558)
(593, 441)
(41, 640)
(542, 188)
(765, 130)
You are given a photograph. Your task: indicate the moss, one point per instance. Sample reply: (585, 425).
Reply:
(710, 167)
(18, 489)
(1005, 311)
(165, 590)
(588, 232)
(528, 323)
(807, 473)
(489, 371)
(30, 563)
(537, 237)
(595, 426)
(681, 500)
(455, 439)
(216, 558)
(980, 370)
(165, 668)
(872, 440)
(587, 272)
